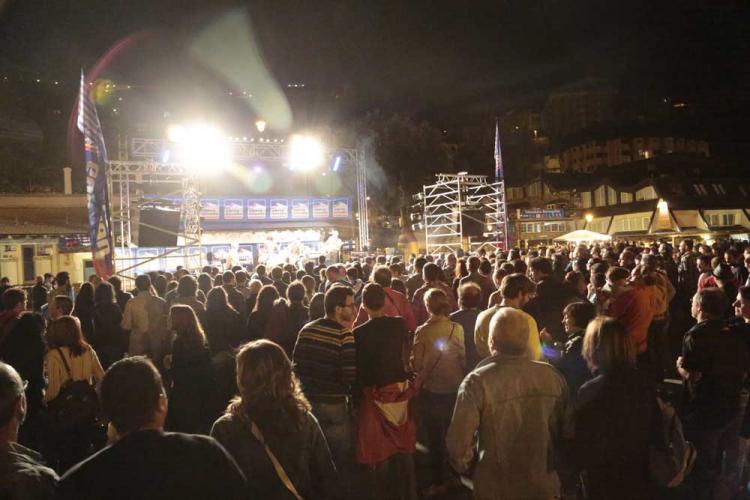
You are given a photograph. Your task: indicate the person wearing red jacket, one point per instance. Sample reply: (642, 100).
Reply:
(396, 303)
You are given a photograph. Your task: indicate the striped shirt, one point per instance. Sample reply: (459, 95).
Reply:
(324, 359)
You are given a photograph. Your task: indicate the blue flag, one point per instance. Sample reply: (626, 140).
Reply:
(97, 194)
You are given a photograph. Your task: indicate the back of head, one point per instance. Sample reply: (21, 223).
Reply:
(431, 272)
(65, 331)
(509, 332)
(130, 393)
(473, 264)
(317, 308)
(485, 267)
(115, 282)
(64, 304)
(11, 390)
(607, 347)
(515, 284)
(436, 302)
(217, 301)
(143, 283)
(582, 313)
(228, 278)
(187, 287)
(266, 297)
(373, 296)
(419, 264)
(295, 292)
(469, 295)
(541, 265)
(382, 276)
(712, 302)
(12, 298)
(104, 293)
(276, 273)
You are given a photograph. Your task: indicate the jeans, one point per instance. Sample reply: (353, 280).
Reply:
(336, 423)
(435, 412)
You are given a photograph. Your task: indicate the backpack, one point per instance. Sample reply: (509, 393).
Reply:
(76, 405)
(670, 456)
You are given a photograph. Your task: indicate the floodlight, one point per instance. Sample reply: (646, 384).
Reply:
(260, 125)
(305, 153)
(203, 148)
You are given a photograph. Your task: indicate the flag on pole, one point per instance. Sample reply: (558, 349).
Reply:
(97, 194)
(498, 154)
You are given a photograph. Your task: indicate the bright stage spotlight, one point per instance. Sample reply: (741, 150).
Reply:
(203, 148)
(306, 153)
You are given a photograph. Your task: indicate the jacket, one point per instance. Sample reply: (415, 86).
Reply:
(396, 304)
(547, 307)
(518, 407)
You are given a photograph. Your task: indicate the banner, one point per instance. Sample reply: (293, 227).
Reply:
(256, 209)
(279, 210)
(97, 194)
(210, 209)
(233, 209)
(340, 208)
(300, 209)
(321, 209)
(540, 213)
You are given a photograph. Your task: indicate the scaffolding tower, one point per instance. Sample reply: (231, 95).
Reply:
(446, 204)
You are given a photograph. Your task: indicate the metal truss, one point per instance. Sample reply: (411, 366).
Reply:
(151, 150)
(446, 200)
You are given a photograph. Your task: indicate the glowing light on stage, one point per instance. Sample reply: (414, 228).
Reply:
(336, 164)
(203, 148)
(306, 153)
(165, 155)
(260, 125)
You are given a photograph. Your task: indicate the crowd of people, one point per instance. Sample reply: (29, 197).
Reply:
(539, 373)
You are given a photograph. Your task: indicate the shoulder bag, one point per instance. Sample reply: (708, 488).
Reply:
(276, 464)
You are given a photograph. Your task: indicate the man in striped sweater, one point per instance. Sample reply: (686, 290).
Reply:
(324, 359)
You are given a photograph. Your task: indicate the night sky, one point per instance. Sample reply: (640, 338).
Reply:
(431, 57)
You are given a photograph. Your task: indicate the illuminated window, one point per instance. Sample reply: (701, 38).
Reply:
(626, 197)
(599, 197)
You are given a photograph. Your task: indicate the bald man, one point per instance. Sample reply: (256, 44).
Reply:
(517, 406)
(22, 475)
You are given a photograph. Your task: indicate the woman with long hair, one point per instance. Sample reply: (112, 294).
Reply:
(222, 322)
(317, 306)
(189, 368)
(612, 453)
(70, 357)
(271, 410)
(109, 339)
(84, 310)
(461, 272)
(259, 319)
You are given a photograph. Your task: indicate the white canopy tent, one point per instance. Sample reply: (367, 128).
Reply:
(583, 235)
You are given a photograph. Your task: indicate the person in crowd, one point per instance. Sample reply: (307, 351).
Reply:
(474, 276)
(189, 368)
(460, 272)
(317, 308)
(187, 294)
(205, 283)
(439, 359)
(272, 410)
(734, 258)
(714, 366)
(234, 296)
(84, 310)
(222, 326)
(258, 323)
(142, 460)
(121, 296)
(396, 271)
(70, 357)
(415, 281)
(298, 314)
(386, 431)
(243, 282)
(687, 270)
(321, 265)
(324, 359)
(160, 285)
(60, 305)
(469, 298)
(634, 304)
(517, 290)
(22, 346)
(352, 276)
(612, 453)
(255, 286)
(310, 286)
(38, 294)
(449, 268)
(145, 317)
(63, 287)
(333, 276)
(550, 300)
(109, 340)
(398, 286)
(726, 282)
(23, 474)
(396, 303)
(431, 279)
(260, 275)
(706, 277)
(577, 285)
(497, 279)
(658, 330)
(517, 407)
(576, 317)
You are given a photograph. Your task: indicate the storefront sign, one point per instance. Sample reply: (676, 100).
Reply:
(541, 213)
